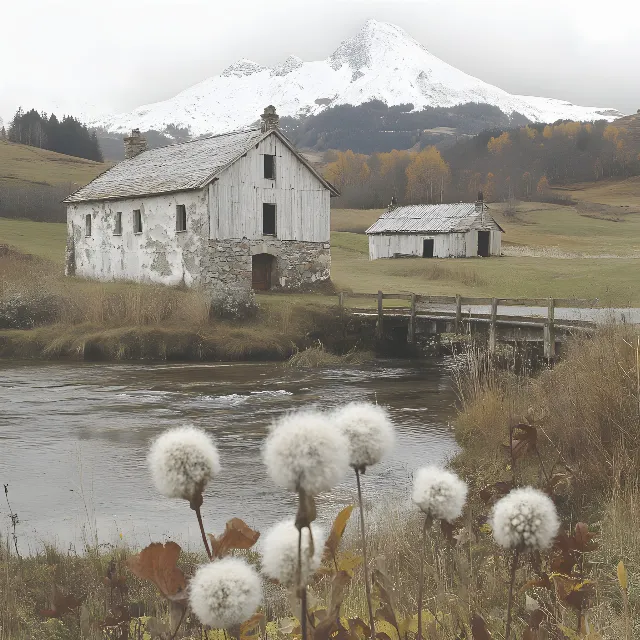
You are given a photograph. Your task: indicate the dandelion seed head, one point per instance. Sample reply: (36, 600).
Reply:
(525, 519)
(225, 593)
(439, 493)
(369, 431)
(280, 552)
(304, 451)
(182, 461)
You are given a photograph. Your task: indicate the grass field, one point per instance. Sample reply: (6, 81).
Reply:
(30, 165)
(564, 229)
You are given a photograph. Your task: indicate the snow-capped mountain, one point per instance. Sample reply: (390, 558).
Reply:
(380, 62)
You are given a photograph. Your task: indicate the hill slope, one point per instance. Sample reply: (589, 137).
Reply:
(33, 181)
(381, 62)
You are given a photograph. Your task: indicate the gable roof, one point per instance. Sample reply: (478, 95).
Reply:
(179, 167)
(434, 218)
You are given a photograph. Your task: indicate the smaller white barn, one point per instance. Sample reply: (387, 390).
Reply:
(461, 230)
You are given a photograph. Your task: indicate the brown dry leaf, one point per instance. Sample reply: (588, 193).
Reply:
(359, 628)
(584, 538)
(524, 438)
(383, 586)
(61, 604)
(573, 591)
(492, 492)
(237, 535)
(252, 628)
(337, 531)
(157, 563)
(348, 562)
(479, 629)
(307, 511)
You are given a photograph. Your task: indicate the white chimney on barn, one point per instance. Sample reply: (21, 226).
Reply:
(134, 144)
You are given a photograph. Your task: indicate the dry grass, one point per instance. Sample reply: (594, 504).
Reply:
(317, 356)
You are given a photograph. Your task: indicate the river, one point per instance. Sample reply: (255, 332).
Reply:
(74, 438)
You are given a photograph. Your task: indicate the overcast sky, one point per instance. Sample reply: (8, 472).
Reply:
(118, 54)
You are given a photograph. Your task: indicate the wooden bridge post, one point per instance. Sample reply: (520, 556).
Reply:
(458, 313)
(379, 329)
(411, 336)
(492, 326)
(549, 331)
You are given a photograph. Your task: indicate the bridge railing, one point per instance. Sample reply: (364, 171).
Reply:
(457, 302)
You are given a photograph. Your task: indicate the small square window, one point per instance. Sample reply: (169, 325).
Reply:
(268, 219)
(181, 217)
(269, 167)
(137, 221)
(87, 225)
(117, 231)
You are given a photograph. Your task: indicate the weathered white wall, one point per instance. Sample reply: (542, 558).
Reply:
(445, 245)
(158, 254)
(237, 196)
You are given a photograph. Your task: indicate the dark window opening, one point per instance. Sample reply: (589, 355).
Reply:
(137, 221)
(87, 225)
(181, 217)
(268, 219)
(270, 167)
(483, 243)
(427, 248)
(118, 228)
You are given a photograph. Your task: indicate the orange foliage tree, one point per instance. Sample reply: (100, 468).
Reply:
(427, 175)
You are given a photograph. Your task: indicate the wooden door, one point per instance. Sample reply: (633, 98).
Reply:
(261, 272)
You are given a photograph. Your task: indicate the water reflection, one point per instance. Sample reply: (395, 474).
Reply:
(73, 440)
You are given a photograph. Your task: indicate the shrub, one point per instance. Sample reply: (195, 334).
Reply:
(233, 304)
(25, 310)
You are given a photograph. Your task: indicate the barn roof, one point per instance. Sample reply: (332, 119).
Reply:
(178, 167)
(433, 218)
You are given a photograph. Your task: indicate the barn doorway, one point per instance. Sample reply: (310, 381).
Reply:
(427, 248)
(483, 243)
(261, 269)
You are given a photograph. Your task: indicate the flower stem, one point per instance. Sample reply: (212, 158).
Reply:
(364, 557)
(302, 589)
(514, 566)
(421, 582)
(204, 535)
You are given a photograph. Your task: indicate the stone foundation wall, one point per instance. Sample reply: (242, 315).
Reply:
(297, 265)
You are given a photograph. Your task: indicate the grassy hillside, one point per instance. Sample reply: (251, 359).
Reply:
(29, 165)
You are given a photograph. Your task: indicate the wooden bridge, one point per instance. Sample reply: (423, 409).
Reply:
(509, 320)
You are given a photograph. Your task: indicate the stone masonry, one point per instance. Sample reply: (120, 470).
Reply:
(297, 265)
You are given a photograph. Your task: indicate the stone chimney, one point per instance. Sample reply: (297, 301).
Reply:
(394, 203)
(134, 144)
(270, 119)
(480, 203)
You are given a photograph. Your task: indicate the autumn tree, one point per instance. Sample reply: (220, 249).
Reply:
(499, 144)
(427, 175)
(543, 186)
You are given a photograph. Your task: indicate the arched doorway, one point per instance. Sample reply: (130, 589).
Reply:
(261, 269)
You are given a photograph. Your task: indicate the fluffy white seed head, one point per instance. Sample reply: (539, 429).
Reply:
(280, 552)
(304, 451)
(369, 431)
(439, 493)
(225, 593)
(182, 461)
(525, 519)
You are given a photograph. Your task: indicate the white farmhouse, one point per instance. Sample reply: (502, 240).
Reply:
(240, 209)
(461, 230)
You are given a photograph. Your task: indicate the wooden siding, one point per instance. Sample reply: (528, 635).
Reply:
(237, 196)
(445, 245)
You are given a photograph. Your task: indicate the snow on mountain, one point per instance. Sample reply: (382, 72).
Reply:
(380, 62)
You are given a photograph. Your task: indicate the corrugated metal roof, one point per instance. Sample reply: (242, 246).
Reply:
(178, 167)
(433, 218)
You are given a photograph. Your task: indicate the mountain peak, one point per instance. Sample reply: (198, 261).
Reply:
(375, 40)
(290, 64)
(243, 67)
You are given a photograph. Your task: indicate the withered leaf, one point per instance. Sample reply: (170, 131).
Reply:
(448, 531)
(252, 628)
(337, 531)
(584, 538)
(524, 438)
(479, 630)
(62, 604)
(157, 563)
(118, 615)
(307, 511)
(384, 590)
(573, 591)
(493, 492)
(359, 628)
(237, 535)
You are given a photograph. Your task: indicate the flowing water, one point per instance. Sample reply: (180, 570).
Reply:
(74, 437)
